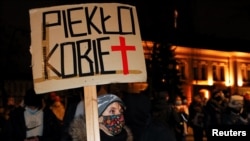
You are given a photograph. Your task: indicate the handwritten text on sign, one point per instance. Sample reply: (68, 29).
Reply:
(85, 44)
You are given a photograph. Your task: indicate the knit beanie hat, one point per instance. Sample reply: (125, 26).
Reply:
(105, 100)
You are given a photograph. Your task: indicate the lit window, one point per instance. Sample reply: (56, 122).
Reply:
(215, 77)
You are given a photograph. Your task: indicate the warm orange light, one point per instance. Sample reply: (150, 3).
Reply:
(148, 44)
(240, 83)
(137, 87)
(228, 83)
(206, 95)
(148, 49)
(210, 82)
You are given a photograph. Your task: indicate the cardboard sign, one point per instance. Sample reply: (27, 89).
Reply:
(85, 44)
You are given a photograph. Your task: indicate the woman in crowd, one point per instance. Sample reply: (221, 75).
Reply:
(111, 121)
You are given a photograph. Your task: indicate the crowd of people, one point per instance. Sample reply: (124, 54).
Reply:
(123, 117)
(221, 111)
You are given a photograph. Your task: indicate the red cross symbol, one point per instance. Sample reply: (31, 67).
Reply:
(123, 48)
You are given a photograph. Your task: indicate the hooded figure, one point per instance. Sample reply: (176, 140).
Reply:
(233, 115)
(111, 121)
(236, 103)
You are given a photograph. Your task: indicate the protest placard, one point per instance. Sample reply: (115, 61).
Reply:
(85, 44)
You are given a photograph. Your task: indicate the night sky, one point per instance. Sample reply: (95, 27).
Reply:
(215, 24)
(225, 21)
(223, 18)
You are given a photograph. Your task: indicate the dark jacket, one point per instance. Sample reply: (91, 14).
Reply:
(163, 122)
(17, 127)
(158, 131)
(77, 131)
(137, 113)
(53, 127)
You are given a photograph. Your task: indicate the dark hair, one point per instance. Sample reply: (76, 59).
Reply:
(32, 99)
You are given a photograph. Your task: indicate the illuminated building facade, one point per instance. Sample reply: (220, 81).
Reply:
(204, 70)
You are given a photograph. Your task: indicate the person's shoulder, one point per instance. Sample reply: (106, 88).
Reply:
(77, 128)
(79, 108)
